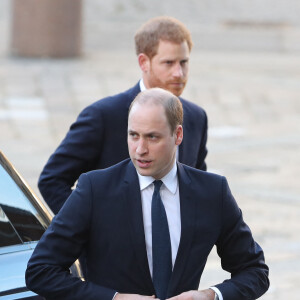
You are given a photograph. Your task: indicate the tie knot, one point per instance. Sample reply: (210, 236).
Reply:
(157, 185)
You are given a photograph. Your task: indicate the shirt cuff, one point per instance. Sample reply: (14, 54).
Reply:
(217, 291)
(116, 295)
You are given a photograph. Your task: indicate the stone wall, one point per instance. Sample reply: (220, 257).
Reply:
(247, 25)
(233, 25)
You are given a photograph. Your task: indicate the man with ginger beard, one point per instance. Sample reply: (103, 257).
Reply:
(98, 137)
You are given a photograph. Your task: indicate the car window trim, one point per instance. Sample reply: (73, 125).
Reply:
(39, 204)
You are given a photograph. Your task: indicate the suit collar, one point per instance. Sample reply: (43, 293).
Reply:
(132, 93)
(185, 146)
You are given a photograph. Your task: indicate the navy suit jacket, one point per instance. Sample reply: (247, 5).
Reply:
(98, 139)
(103, 217)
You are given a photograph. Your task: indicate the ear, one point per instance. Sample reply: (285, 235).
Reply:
(178, 135)
(144, 62)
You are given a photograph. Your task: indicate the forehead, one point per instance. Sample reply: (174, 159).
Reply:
(148, 116)
(165, 46)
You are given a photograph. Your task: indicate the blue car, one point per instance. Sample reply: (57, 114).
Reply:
(23, 220)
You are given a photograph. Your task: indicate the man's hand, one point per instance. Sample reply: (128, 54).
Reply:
(133, 297)
(208, 294)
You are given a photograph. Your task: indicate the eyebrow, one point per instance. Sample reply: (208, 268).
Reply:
(187, 58)
(146, 134)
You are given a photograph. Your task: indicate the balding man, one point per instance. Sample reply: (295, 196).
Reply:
(148, 224)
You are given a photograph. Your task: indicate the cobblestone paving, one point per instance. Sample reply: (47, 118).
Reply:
(253, 103)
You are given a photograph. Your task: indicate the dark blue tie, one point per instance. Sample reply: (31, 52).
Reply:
(161, 245)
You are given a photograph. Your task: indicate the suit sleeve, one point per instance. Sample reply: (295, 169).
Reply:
(47, 272)
(240, 254)
(77, 153)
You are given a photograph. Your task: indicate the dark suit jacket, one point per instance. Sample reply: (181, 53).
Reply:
(98, 139)
(103, 217)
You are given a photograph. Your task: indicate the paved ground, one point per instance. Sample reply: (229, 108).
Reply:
(253, 104)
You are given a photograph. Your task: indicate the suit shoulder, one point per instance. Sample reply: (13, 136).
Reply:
(116, 171)
(197, 174)
(190, 107)
(119, 100)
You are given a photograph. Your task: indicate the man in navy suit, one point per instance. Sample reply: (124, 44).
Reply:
(97, 139)
(110, 216)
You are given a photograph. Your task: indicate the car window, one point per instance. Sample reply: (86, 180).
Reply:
(18, 217)
(8, 235)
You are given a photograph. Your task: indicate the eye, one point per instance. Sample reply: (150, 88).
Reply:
(133, 135)
(169, 62)
(153, 137)
(184, 62)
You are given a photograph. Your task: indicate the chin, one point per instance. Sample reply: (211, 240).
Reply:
(143, 172)
(176, 92)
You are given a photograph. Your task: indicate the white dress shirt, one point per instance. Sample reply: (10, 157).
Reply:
(169, 193)
(142, 85)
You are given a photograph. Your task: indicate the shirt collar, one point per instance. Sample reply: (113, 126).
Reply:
(169, 180)
(142, 85)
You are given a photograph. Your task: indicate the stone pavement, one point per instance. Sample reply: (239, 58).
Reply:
(253, 103)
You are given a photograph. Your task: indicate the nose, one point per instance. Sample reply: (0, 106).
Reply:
(141, 147)
(178, 71)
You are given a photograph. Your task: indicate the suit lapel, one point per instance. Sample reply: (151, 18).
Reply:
(188, 219)
(135, 214)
